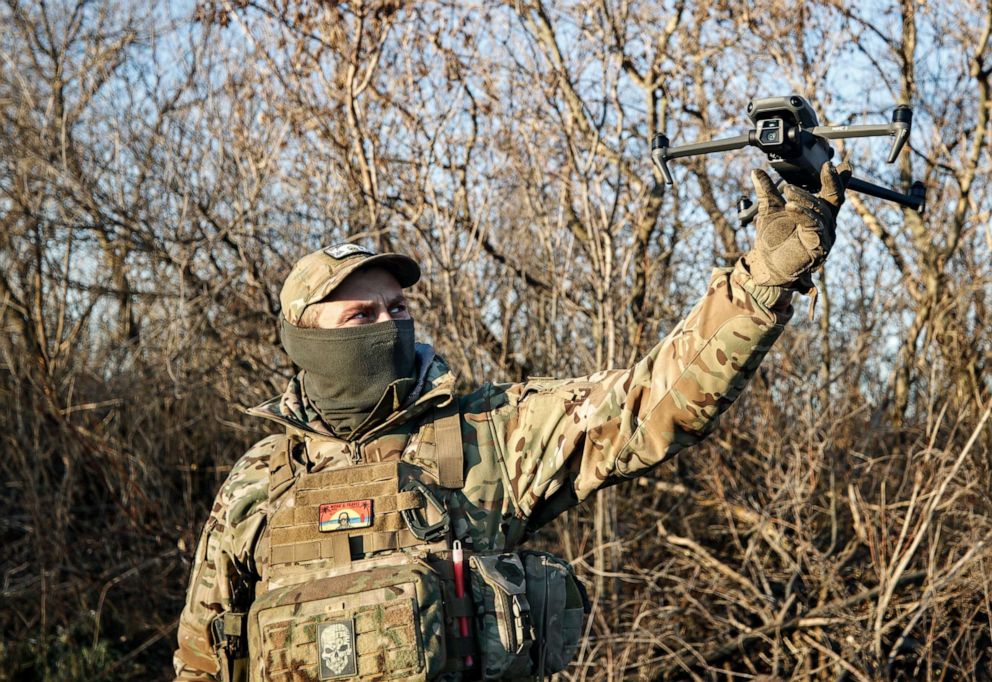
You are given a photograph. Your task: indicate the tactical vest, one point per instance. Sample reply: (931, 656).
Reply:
(360, 580)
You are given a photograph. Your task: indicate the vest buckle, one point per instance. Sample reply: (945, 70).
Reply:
(418, 525)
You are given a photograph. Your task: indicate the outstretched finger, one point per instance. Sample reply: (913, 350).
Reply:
(768, 195)
(844, 170)
(831, 186)
(819, 212)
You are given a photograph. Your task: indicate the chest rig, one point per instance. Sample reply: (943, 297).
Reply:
(363, 577)
(357, 581)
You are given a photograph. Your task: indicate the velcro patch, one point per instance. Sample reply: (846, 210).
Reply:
(336, 649)
(339, 251)
(345, 515)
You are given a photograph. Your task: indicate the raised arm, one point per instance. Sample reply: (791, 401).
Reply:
(562, 440)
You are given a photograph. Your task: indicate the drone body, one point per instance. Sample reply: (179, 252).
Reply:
(787, 131)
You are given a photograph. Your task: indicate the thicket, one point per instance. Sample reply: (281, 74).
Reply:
(163, 164)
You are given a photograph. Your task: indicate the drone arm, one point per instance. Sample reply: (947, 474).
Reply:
(915, 199)
(902, 123)
(841, 132)
(661, 152)
(708, 147)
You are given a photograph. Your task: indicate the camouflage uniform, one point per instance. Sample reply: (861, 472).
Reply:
(531, 450)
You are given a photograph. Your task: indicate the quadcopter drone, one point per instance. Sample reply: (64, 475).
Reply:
(786, 129)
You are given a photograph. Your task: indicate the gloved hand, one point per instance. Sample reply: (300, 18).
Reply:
(795, 231)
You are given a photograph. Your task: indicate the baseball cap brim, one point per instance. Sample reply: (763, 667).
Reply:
(403, 268)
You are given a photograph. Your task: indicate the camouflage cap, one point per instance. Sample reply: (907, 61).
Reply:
(317, 274)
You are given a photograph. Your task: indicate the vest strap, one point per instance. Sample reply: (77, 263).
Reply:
(297, 516)
(459, 647)
(448, 440)
(281, 467)
(341, 550)
(459, 607)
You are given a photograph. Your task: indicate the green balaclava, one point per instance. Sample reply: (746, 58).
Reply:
(354, 375)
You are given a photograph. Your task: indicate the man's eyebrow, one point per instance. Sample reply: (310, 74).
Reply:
(357, 305)
(398, 298)
(353, 307)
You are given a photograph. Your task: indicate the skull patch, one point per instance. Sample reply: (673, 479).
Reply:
(336, 646)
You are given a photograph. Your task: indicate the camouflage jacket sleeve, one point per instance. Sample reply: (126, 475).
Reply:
(561, 440)
(224, 557)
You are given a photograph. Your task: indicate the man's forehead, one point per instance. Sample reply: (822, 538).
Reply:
(365, 284)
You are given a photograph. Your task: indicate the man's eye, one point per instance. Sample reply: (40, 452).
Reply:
(398, 308)
(360, 315)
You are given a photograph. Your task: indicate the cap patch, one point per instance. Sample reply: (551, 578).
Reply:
(341, 251)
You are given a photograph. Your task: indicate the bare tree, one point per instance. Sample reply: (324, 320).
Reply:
(161, 168)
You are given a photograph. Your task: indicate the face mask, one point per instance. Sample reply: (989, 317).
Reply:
(353, 374)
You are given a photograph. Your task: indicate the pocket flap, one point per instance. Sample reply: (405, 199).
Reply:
(502, 570)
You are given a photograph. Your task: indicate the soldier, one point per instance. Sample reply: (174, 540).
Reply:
(427, 579)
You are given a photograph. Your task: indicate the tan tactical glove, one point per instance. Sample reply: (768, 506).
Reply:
(795, 231)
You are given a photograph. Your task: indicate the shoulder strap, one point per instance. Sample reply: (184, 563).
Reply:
(448, 444)
(281, 472)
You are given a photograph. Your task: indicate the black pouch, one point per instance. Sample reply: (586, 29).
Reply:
(558, 607)
(504, 630)
(530, 609)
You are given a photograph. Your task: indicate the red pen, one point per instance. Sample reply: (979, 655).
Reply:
(458, 560)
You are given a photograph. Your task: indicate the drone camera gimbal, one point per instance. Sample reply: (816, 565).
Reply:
(787, 131)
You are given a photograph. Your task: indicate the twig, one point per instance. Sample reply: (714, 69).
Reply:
(931, 511)
(718, 653)
(857, 674)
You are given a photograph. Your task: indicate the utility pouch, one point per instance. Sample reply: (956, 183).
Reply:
(505, 631)
(558, 607)
(228, 633)
(384, 623)
(530, 609)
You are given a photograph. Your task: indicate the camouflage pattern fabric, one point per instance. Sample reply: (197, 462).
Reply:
(371, 635)
(531, 450)
(531, 608)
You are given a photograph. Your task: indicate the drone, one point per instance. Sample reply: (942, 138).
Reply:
(787, 130)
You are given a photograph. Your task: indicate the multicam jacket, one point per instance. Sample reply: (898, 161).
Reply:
(531, 450)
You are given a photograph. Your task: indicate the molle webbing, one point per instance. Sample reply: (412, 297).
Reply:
(294, 529)
(374, 660)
